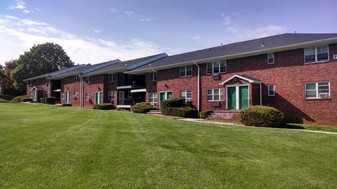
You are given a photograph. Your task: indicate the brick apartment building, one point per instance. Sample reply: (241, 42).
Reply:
(296, 73)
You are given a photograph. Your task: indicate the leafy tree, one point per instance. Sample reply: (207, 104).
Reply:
(40, 59)
(6, 80)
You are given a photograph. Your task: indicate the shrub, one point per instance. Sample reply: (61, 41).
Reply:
(50, 100)
(22, 98)
(42, 100)
(6, 97)
(104, 106)
(204, 114)
(143, 107)
(66, 105)
(178, 107)
(262, 116)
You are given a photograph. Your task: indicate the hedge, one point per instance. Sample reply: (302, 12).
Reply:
(143, 107)
(104, 106)
(178, 107)
(204, 114)
(262, 116)
(22, 98)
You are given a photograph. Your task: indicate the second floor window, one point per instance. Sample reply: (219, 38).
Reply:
(76, 78)
(271, 58)
(316, 54)
(185, 71)
(217, 67)
(111, 78)
(152, 76)
(87, 80)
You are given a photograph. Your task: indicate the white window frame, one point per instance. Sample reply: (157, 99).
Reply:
(271, 90)
(212, 94)
(187, 95)
(216, 66)
(153, 98)
(317, 90)
(111, 78)
(76, 78)
(87, 97)
(271, 56)
(111, 95)
(87, 80)
(184, 71)
(316, 54)
(152, 76)
(75, 94)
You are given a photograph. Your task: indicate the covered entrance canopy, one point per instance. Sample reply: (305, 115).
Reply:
(242, 91)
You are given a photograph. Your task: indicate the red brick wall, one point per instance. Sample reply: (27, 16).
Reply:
(289, 75)
(39, 83)
(69, 84)
(169, 80)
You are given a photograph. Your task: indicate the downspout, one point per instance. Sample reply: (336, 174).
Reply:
(198, 86)
(260, 93)
(81, 93)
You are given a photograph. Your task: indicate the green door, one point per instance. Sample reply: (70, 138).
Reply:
(231, 98)
(243, 96)
(164, 96)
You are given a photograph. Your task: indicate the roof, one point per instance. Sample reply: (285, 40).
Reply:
(57, 73)
(274, 43)
(127, 65)
(244, 77)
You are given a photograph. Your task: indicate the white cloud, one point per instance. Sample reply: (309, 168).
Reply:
(20, 5)
(97, 31)
(244, 33)
(20, 35)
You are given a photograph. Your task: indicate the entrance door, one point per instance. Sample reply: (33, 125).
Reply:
(99, 97)
(34, 95)
(243, 95)
(237, 97)
(231, 98)
(164, 96)
(67, 97)
(121, 98)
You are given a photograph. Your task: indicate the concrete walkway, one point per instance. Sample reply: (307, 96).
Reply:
(236, 124)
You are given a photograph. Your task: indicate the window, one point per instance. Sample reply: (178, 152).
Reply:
(87, 80)
(214, 95)
(216, 67)
(87, 97)
(153, 98)
(75, 94)
(316, 54)
(111, 95)
(76, 78)
(185, 71)
(152, 76)
(187, 95)
(317, 90)
(271, 58)
(271, 90)
(111, 78)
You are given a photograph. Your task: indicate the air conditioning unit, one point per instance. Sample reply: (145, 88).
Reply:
(334, 57)
(216, 76)
(324, 95)
(216, 104)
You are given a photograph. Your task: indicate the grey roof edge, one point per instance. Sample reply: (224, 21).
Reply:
(141, 63)
(147, 61)
(100, 66)
(36, 77)
(238, 55)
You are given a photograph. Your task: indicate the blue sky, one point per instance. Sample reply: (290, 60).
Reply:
(93, 31)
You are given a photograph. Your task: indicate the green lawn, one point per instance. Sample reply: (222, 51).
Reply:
(43, 146)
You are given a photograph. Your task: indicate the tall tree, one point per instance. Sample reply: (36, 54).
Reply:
(40, 59)
(6, 80)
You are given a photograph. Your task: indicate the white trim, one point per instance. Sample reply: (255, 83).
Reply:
(241, 77)
(272, 85)
(138, 91)
(123, 106)
(125, 87)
